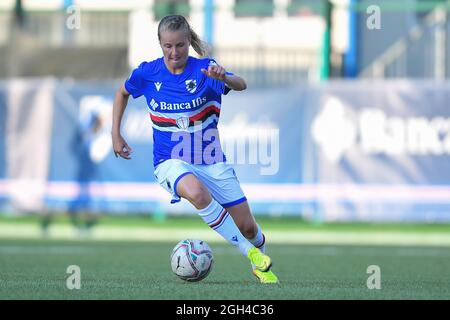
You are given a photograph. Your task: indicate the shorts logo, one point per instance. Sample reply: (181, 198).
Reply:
(183, 123)
(191, 85)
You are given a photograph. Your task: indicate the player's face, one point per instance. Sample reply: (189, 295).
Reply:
(175, 46)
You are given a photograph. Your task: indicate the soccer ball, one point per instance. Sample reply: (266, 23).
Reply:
(191, 260)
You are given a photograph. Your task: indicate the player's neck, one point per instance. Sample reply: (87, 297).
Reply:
(175, 70)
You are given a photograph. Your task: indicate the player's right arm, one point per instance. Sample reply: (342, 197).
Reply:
(120, 146)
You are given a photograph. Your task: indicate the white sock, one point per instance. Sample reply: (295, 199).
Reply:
(259, 240)
(221, 221)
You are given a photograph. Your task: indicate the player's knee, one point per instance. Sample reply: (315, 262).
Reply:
(200, 197)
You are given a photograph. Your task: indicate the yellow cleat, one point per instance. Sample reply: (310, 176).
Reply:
(261, 261)
(267, 277)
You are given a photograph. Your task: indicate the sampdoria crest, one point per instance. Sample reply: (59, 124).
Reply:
(191, 85)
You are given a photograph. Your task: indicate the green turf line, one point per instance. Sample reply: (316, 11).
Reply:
(149, 233)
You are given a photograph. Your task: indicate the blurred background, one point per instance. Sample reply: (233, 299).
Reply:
(346, 117)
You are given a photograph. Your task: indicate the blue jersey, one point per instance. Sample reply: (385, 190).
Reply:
(184, 110)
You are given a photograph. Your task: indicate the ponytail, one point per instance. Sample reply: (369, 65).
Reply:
(199, 46)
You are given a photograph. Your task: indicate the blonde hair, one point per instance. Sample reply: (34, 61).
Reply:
(177, 23)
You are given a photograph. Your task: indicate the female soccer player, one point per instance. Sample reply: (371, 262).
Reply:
(183, 94)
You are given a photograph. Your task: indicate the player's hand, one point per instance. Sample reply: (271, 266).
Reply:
(215, 72)
(121, 148)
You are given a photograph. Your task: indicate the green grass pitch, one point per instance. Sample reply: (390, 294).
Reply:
(36, 269)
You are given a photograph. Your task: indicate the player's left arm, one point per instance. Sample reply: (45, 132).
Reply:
(234, 82)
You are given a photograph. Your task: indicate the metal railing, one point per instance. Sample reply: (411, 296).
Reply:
(260, 66)
(271, 66)
(423, 53)
(99, 29)
(110, 31)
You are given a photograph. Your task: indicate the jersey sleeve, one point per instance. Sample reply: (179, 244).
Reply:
(218, 86)
(134, 84)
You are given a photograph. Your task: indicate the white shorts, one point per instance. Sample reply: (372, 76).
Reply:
(219, 178)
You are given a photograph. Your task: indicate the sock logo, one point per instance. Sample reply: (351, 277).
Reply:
(234, 239)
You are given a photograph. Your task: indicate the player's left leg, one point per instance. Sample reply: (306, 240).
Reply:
(224, 186)
(252, 231)
(246, 223)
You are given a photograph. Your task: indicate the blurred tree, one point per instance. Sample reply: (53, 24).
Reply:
(19, 14)
(254, 8)
(163, 8)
